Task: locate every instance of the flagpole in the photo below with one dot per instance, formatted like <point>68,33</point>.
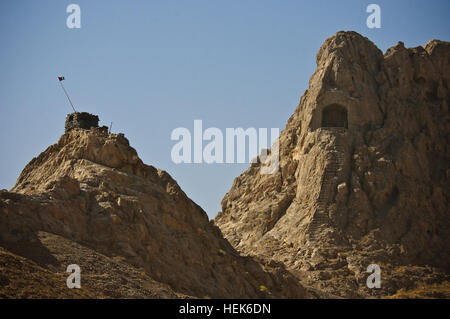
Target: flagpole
<point>60,82</point>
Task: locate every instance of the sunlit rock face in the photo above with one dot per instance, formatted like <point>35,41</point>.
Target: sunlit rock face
<point>363,177</point>
<point>130,225</point>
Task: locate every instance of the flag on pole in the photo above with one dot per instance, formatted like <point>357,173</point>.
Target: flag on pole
<point>60,78</point>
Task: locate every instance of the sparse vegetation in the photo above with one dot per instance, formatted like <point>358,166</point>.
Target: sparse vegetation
<point>440,291</point>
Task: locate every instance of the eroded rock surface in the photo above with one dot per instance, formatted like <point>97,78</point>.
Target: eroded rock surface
<point>92,189</point>
<point>364,171</point>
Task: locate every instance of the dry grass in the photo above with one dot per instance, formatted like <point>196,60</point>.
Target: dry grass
<point>433,291</point>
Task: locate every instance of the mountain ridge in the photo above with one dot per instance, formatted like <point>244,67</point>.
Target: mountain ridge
<point>363,179</point>
<point>358,181</point>
<point>92,188</point>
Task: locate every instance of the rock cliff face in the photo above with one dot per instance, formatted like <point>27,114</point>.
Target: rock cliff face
<point>364,171</point>
<point>89,200</point>
<point>363,179</point>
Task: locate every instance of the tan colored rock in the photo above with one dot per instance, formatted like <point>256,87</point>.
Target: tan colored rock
<point>36,268</point>
<point>92,189</point>
<point>364,167</point>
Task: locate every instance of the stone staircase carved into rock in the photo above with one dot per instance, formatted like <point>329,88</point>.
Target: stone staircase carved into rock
<point>328,186</point>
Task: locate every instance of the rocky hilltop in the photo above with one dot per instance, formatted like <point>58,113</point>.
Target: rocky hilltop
<point>363,175</point>
<point>90,200</point>
<point>363,179</point>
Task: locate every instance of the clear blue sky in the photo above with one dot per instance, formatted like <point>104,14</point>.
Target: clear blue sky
<point>152,66</point>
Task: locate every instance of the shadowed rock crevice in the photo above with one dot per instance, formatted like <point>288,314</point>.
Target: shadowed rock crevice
<point>334,116</point>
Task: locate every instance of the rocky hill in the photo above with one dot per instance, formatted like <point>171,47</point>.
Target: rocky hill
<point>363,179</point>
<point>89,200</point>
<point>364,174</point>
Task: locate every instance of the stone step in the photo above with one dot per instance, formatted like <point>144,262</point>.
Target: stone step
<point>319,222</point>
<point>317,225</point>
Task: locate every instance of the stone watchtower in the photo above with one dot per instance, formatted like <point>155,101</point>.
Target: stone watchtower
<point>81,120</point>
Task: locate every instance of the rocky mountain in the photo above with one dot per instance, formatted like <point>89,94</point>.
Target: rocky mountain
<point>89,200</point>
<point>363,175</point>
<point>362,179</point>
